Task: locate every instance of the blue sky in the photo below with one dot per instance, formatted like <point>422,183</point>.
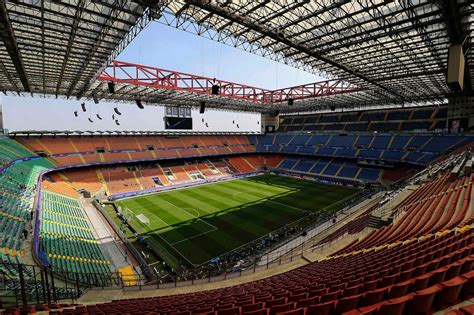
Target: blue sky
<point>163,47</point>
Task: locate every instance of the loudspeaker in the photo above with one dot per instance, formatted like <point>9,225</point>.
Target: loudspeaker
<point>98,116</point>
<point>202,109</point>
<point>139,104</point>
<point>215,89</point>
<point>290,102</point>
<point>94,97</point>
<point>90,120</point>
<point>117,111</point>
<point>117,122</point>
<point>456,64</point>
<point>83,105</point>
<point>111,87</point>
<point>75,113</point>
<point>333,108</point>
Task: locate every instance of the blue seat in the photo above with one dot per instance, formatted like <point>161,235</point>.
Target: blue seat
<point>381,141</point>
<point>304,166</point>
<point>369,174</point>
<point>288,164</point>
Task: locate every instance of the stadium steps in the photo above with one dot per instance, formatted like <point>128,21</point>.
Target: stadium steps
<point>102,181</point>
<point>137,180</point>
<point>377,222</point>
<point>73,145</point>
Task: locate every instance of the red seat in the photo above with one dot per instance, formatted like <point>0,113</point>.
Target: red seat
<point>453,271</point>
<point>299,311</point>
<point>229,311</point>
<point>403,276</point>
<point>307,302</point>
<point>347,303</point>
<point>394,306</point>
<point>351,290</point>
<point>223,306</point>
<point>373,297</point>
<point>262,311</point>
<point>246,301</point>
<point>450,291</point>
<point>468,289</point>
<point>297,297</point>
<point>321,309</point>
<point>422,300</point>
<point>437,276</point>
<point>369,286</point>
<point>420,283</point>
<point>275,302</point>
<point>469,309</point>
<point>280,308</point>
<point>330,296</point>
<point>399,289</point>
<point>387,281</point>
<point>252,307</point>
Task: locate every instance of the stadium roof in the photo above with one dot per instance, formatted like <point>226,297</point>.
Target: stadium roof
<point>390,51</point>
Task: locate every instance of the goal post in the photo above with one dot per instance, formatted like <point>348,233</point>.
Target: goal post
<point>143,219</point>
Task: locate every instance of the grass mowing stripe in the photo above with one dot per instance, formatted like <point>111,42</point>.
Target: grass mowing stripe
<point>265,204</point>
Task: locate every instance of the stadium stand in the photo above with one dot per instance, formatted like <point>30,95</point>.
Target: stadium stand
<point>67,243</point>
<point>413,149</point>
<point>359,184</point>
<point>17,191</point>
<point>434,272</point>
<point>330,167</point>
<point>131,143</point>
<point>425,119</point>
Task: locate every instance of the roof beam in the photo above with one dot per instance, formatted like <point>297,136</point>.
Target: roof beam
<point>8,38</point>
<point>456,32</point>
<point>276,36</point>
<point>72,35</point>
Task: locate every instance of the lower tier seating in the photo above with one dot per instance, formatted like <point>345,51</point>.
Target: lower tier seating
<point>438,205</point>
<point>122,179</point>
<point>67,240</point>
<point>17,188</point>
<point>418,276</point>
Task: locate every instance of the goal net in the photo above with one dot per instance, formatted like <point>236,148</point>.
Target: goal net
<point>143,219</point>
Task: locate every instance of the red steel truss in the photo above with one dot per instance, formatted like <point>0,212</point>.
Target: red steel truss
<point>146,76</point>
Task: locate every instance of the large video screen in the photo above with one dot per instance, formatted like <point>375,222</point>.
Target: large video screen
<point>178,123</point>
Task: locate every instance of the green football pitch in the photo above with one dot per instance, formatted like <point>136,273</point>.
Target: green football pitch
<point>194,225</point>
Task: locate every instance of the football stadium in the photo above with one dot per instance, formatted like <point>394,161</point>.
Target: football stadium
<point>299,158</point>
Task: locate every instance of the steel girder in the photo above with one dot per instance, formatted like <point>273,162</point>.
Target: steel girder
<point>59,47</point>
<point>159,79</point>
<point>395,50</point>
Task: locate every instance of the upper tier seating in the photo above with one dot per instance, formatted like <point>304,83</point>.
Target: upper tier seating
<point>429,118</point>
<point>415,149</point>
<point>11,150</point>
<point>330,168</point>
<point>67,241</point>
<point>58,145</point>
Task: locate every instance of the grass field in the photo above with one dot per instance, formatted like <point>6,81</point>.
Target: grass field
<point>194,225</point>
